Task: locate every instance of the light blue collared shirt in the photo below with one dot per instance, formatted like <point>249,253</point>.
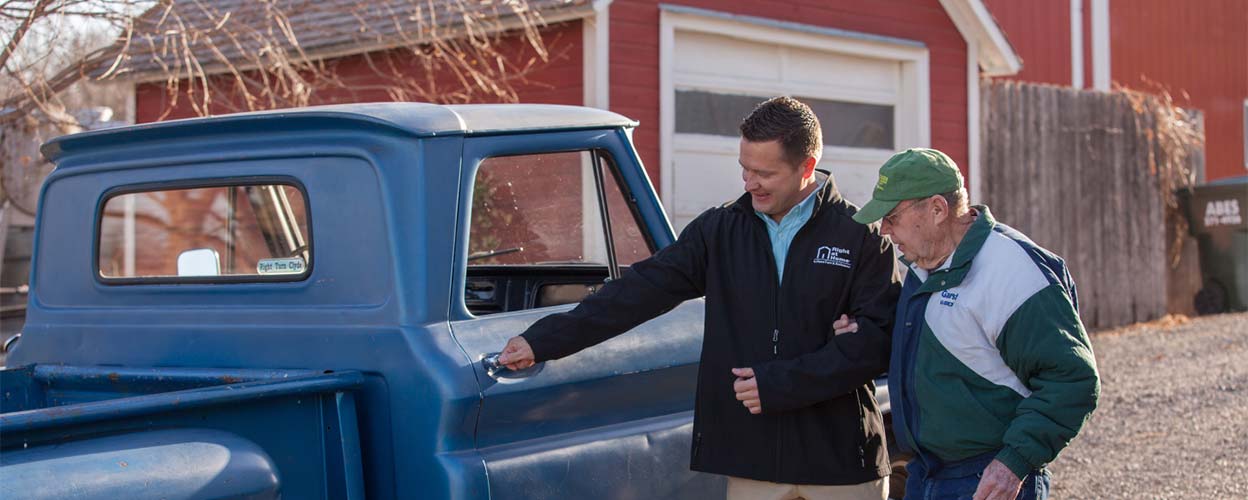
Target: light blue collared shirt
<point>782,233</point>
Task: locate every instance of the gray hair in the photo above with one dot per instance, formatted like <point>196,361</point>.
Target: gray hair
<point>957,201</point>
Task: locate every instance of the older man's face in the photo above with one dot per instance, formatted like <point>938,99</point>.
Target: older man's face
<point>912,226</point>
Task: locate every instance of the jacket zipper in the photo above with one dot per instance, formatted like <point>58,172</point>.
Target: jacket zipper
<point>862,430</point>
<point>775,354</point>
<point>775,333</point>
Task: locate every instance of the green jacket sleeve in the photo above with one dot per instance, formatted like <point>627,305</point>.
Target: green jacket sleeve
<point>1044,343</point>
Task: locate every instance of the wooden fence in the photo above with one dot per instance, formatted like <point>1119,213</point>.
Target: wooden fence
<point>1085,174</point>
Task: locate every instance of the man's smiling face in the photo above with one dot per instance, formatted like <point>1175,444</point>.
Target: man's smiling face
<point>774,183</point>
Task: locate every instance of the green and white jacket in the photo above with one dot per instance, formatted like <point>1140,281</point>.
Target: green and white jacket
<point>989,354</point>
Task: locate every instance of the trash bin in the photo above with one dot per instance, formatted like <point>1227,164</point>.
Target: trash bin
<point>1218,217</point>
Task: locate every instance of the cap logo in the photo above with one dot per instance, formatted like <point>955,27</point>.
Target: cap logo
<point>879,186</point>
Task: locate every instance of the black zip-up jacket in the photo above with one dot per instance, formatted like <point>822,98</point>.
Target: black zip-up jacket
<point>819,423</point>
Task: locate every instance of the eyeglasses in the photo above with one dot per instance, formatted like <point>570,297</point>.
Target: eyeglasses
<point>892,216</point>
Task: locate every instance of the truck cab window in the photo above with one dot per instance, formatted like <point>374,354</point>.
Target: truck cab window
<point>538,230</point>
<point>225,233</point>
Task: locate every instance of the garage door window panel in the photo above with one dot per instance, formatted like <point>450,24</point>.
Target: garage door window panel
<point>845,124</point>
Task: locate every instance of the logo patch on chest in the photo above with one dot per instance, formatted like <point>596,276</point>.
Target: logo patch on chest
<point>834,256</point>
<point>947,298</point>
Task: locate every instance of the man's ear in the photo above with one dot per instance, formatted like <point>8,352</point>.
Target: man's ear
<point>808,167</point>
<point>940,206</point>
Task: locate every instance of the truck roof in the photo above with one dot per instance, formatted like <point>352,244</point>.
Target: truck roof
<point>415,119</point>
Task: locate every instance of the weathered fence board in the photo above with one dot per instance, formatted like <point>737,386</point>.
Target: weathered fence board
<point>1080,172</point>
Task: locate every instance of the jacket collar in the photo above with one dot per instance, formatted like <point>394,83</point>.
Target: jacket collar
<point>960,263</point>
<point>826,193</point>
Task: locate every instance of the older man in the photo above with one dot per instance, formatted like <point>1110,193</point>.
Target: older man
<point>991,373</point>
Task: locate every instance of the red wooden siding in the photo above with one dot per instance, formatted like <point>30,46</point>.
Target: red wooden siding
<point>1039,31</point>
<point>1198,49</point>
<point>1086,11</point>
<point>558,82</point>
<point>635,57</point>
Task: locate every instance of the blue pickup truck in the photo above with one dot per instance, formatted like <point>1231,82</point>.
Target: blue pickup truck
<point>306,304</point>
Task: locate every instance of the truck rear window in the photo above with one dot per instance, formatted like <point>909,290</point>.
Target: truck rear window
<point>246,232</point>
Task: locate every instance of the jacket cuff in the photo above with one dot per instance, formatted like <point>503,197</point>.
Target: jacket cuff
<point>1015,462</point>
<point>763,400</point>
<point>771,389</point>
<point>539,355</point>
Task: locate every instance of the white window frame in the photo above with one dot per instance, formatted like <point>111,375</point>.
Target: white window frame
<point>912,110</point>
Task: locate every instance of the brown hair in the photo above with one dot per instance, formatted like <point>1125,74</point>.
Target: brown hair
<point>791,122</point>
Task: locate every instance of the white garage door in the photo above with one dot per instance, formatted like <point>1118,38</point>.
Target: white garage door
<point>865,106</point>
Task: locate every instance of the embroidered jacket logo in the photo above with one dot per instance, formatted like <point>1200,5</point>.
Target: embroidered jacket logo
<point>835,256</point>
<point>947,298</point>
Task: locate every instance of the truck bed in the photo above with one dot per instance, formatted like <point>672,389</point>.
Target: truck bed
<point>178,433</point>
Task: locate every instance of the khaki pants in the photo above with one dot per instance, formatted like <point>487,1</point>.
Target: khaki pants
<point>749,489</point>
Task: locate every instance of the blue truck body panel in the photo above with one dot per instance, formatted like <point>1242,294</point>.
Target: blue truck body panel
<point>186,463</point>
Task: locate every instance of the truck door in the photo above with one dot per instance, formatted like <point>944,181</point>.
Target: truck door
<point>545,220</point>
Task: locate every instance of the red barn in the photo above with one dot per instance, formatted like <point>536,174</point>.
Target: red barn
<point>882,76</point>
<point>1196,50</point>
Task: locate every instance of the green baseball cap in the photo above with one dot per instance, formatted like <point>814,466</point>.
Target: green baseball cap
<point>911,174</point>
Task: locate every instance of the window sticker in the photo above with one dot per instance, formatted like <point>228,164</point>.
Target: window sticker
<point>289,265</point>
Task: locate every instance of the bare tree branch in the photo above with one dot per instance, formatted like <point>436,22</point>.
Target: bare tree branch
<point>33,15</point>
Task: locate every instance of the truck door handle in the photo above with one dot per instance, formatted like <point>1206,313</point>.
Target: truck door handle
<point>8,343</point>
<point>500,372</point>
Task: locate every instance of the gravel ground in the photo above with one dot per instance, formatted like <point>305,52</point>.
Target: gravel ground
<point>1173,415</point>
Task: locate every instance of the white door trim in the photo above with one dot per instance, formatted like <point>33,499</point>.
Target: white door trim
<point>596,56</point>
<point>1076,44</point>
<point>1101,78</point>
<point>973,125</point>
